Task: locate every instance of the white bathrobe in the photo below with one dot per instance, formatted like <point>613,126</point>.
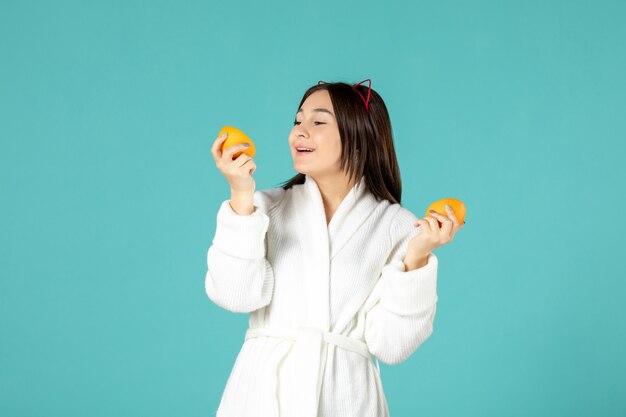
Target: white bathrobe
<point>324,301</point>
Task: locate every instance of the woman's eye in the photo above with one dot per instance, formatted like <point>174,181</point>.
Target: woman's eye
<point>297,123</point>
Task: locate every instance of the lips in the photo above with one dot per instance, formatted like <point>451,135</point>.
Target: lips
<point>304,148</point>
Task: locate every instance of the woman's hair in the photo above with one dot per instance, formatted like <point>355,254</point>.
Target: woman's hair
<point>366,140</point>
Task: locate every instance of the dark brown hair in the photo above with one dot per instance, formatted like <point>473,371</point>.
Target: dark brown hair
<point>366,140</point>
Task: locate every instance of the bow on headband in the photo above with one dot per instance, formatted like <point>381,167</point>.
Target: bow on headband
<point>369,90</point>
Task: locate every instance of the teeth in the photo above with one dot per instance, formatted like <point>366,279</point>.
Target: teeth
<point>305,149</point>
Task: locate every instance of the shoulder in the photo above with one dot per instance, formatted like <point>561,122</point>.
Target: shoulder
<point>399,216</point>
<point>401,223</point>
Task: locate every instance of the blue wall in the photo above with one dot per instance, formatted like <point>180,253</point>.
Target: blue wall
<point>109,193</point>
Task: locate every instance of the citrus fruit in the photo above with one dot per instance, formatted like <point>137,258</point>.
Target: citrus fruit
<point>235,137</point>
<point>440,207</point>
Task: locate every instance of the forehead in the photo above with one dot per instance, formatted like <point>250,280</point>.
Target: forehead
<point>318,102</point>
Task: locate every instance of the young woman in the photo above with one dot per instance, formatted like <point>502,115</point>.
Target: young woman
<point>331,268</point>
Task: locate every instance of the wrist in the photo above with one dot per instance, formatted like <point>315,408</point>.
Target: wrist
<point>241,202</point>
<point>415,262</point>
<point>241,192</point>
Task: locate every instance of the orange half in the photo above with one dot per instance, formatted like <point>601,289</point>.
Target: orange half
<point>440,207</point>
<point>235,137</point>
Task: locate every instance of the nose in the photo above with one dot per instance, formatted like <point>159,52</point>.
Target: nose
<point>299,131</point>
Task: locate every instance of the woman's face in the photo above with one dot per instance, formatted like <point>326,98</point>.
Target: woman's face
<point>316,128</point>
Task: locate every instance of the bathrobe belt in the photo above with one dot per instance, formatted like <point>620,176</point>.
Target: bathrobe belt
<point>303,389</point>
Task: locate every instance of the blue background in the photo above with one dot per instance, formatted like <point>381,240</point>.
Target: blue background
<point>109,193</point>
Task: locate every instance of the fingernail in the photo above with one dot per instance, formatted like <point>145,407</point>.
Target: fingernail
<point>448,207</point>
<point>432,211</point>
<point>246,144</point>
<point>223,134</point>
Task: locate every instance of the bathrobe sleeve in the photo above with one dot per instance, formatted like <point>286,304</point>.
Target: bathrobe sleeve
<point>405,302</point>
<point>239,277</point>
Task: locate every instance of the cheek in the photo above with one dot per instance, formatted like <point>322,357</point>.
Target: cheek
<point>337,150</point>
<point>331,155</point>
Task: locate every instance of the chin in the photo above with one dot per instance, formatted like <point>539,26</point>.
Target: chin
<point>311,169</point>
<point>301,171</point>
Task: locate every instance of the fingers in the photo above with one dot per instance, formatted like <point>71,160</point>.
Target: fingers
<point>216,149</point>
<point>433,222</point>
<point>243,165</point>
<point>455,220</point>
<point>446,224</point>
<point>231,150</point>
<point>452,216</point>
<point>250,165</point>
<point>425,225</point>
<point>217,146</point>
<point>241,160</point>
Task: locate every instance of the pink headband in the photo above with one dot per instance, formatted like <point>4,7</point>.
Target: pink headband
<point>369,90</point>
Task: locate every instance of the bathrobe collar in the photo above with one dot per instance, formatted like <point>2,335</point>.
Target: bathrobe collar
<point>321,242</point>
<point>354,209</point>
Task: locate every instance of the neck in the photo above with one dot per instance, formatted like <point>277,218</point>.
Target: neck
<point>333,191</point>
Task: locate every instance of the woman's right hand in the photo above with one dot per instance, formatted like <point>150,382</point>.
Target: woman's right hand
<point>238,172</point>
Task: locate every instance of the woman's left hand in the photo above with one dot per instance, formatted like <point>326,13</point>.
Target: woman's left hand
<point>431,236</point>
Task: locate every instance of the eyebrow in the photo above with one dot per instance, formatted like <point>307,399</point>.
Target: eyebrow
<point>322,110</point>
